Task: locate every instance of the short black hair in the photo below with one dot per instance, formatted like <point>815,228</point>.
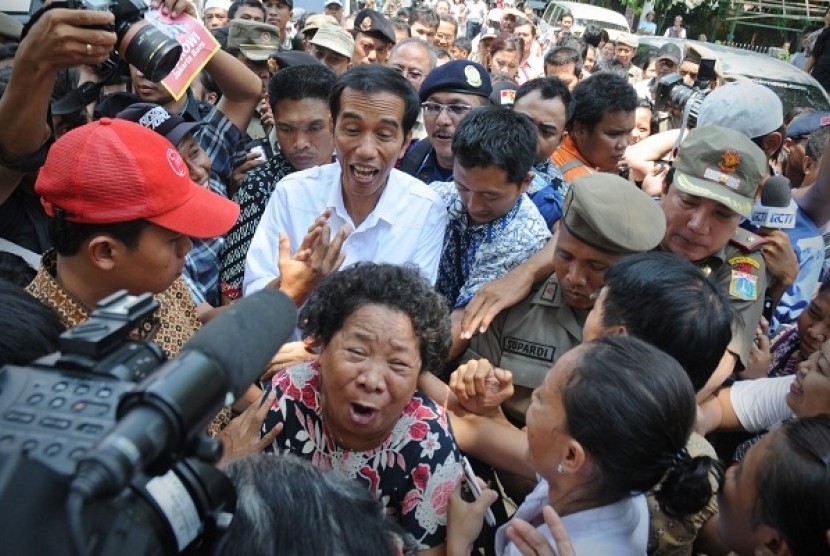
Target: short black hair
<point>301,82</point>
<point>371,79</point>
<point>425,15</point>
<point>31,329</point>
<point>252,3</point>
<point>816,143</point>
<point>447,18</point>
<point>15,269</point>
<point>465,44</point>
<point>559,56</point>
<point>600,94</point>
<point>667,301</point>
<point>401,288</point>
<point>490,136</point>
<point>549,88</point>
<point>594,34</point>
<point>68,237</point>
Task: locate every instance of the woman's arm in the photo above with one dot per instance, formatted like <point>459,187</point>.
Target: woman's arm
<point>491,440</point>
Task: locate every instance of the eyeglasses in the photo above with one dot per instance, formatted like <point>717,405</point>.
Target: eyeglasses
<point>443,36</point>
<point>433,109</point>
<point>684,73</point>
<point>410,73</point>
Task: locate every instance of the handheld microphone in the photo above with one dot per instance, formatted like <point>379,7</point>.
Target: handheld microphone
<point>776,208</point>
<point>174,404</point>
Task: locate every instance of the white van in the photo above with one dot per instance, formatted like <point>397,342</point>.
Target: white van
<point>584,14</point>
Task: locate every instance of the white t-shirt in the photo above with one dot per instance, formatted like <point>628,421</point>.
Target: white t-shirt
<point>761,403</point>
<point>406,226</point>
<point>620,528</point>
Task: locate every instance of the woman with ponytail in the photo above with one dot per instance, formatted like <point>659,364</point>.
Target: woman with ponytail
<point>610,421</point>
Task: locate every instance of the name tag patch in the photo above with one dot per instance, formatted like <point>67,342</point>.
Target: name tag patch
<point>529,349</point>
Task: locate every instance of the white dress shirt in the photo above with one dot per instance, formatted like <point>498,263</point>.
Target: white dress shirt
<point>406,226</point>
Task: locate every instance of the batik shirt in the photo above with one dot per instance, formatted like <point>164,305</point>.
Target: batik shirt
<point>170,326</point>
<point>476,254</point>
<point>252,198</point>
<point>412,472</point>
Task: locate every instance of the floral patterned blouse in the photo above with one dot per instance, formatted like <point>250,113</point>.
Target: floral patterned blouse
<point>412,473</point>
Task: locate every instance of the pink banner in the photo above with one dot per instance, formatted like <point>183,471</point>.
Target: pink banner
<point>198,47</point>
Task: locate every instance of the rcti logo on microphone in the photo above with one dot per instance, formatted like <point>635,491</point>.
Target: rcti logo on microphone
<point>774,217</point>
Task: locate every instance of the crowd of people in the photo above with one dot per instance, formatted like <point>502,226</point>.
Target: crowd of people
<point>502,246</point>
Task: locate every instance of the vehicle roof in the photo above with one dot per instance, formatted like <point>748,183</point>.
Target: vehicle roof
<point>589,11</point>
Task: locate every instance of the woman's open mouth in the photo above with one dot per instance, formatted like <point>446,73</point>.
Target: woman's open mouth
<point>363,414</point>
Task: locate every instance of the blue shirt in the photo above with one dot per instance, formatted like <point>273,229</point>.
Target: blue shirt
<point>808,245</point>
<point>474,254</point>
<point>547,191</point>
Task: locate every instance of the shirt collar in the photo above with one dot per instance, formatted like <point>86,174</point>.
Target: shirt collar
<point>393,192</point>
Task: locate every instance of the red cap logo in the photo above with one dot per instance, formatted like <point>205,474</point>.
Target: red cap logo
<point>176,163</point>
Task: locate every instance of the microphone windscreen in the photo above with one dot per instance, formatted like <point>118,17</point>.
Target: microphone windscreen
<point>776,192</point>
<point>244,338</point>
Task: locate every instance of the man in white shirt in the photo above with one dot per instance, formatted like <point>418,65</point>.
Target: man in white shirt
<point>394,218</point>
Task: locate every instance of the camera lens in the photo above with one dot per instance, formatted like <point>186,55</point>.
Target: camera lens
<point>150,50</point>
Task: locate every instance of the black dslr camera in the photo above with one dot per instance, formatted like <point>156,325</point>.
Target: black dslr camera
<point>138,42</point>
<point>681,101</point>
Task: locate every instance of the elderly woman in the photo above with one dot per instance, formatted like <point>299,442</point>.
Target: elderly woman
<point>597,437</point>
<point>356,409</point>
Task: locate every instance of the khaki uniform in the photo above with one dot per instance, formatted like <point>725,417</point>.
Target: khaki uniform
<point>528,339</point>
<point>739,269</point>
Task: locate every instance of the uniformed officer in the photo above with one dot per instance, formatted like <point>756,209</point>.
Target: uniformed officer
<point>605,217</point>
<point>711,186</point>
<point>449,93</point>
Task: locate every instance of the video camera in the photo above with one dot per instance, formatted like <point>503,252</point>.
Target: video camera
<point>118,433</point>
<point>681,101</point>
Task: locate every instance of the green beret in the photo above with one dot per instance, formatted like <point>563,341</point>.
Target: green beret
<point>613,215</point>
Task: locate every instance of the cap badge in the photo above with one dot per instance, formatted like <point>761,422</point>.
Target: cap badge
<point>366,24</point>
<point>729,161</point>
<point>473,76</point>
<point>722,178</point>
<point>176,163</point>
<point>265,37</point>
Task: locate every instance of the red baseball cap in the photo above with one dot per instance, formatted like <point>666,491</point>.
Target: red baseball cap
<point>114,171</point>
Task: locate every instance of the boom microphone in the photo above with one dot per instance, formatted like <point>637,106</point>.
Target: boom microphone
<point>776,208</point>
<point>174,404</point>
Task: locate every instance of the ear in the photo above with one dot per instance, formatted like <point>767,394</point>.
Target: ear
<point>577,130</point>
<point>774,544</point>
<point>807,164</point>
<point>406,141</point>
<point>616,330</point>
<point>772,142</point>
<point>574,456</point>
<point>526,182</point>
<point>788,144</point>
<point>102,251</point>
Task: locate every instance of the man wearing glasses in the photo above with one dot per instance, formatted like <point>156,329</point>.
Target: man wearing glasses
<point>448,94</point>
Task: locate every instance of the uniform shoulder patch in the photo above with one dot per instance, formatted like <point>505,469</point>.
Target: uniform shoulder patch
<point>747,240</point>
<point>743,285</point>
